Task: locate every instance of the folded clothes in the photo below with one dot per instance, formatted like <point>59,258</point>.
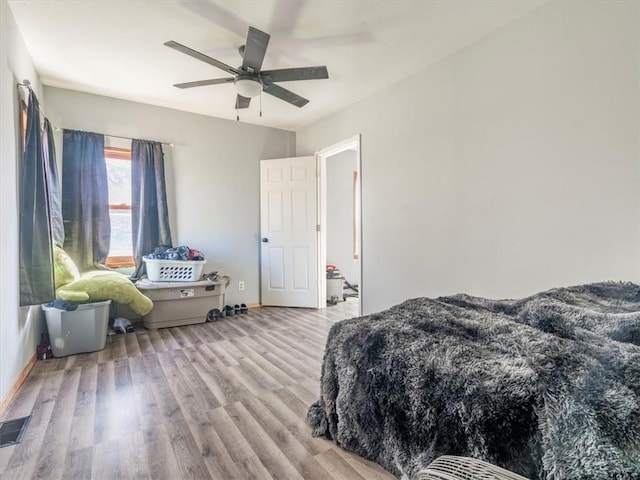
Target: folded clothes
<point>175,253</point>
<point>62,305</point>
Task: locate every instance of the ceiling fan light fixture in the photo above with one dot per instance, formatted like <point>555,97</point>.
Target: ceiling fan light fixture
<point>248,87</point>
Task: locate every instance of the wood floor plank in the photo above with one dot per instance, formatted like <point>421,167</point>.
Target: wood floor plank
<point>85,359</point>
<point>131,345</point>
<point>366,468</point>
<point>255,470</point>
<point>168,339</point>
<point>131,449</point>
<point>188,360</point>
<point>144,342</point>
<point>161,458</point>
<point>192,335</point>
<point>5,456</point>
<point>263,364</point>
<point>226,329</point>
<point>119,346</point>
<point>337,467</point>
<point>280,351</point>
<point>227,352</point>
<point>205,332</point>
<point>236,444</point>
<point>227,358</point>
<point>149,413</point>
<point>214,453</point>
<point>105,410</point>
<point>25,398</point>
<point>260,376</point>
<point>181,338</point>
<point>25,455</point>
<point>51,458</point>
<point>202,360</point>
<point>164,398</point>
<point>280,437</point>
<point>156,341</point>
<point>306,396</point>
<point>189,459</point>
<point>296,342</point>
<point>271,457</point>
<point>78,464</point>
<point>301,352</point>
<point>294,422</point>
<point>105,463</point>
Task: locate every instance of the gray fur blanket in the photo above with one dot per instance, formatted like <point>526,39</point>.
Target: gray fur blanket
<point>547,386</point>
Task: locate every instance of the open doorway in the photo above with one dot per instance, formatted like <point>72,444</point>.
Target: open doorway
<point>340,221</point>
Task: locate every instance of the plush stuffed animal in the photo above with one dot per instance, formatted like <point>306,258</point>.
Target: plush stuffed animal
<point>96,285</point>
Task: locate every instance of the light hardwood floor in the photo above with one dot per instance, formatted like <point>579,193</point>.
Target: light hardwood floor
<point>222,400</point>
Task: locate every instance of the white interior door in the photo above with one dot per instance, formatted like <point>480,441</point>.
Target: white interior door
<point>288,229</point>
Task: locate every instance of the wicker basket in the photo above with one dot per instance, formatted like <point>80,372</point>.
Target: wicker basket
<point>174,270</point>
<point>448,467</point>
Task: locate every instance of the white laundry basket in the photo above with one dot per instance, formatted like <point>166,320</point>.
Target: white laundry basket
<point>174,270</point>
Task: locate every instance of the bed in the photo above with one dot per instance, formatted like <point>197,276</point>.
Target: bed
<point>547,386</point>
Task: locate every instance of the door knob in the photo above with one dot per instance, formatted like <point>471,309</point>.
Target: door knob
<point>265,239</point>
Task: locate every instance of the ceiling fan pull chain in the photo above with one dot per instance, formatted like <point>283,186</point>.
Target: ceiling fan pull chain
<point>260,102</point>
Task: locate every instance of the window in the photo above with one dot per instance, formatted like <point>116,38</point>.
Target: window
<point>119,172</point>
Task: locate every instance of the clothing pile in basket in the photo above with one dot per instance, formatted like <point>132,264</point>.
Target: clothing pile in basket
<point>182,252</point>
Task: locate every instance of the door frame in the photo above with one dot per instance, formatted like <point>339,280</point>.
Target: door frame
<point>352,143</point>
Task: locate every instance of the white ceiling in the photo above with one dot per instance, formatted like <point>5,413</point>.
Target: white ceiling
<point>115,47</point>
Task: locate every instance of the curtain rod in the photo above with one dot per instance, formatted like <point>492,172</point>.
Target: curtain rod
<point>58,129</point>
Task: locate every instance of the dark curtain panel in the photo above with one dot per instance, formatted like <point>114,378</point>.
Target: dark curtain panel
<point>55,200</point>
<point>85,198</point>
<point>36,257</point>
<point>149,213</point>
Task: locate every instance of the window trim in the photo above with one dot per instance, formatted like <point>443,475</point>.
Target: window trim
<point>116,153</point>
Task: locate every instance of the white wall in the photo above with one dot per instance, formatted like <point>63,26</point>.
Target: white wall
<point>508,168</point>
<point>340,168</point>
<point>213,175</point>
<point>19,327</point>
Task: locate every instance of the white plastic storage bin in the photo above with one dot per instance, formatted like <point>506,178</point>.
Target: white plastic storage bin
<point>335,292</point>
<point>77,331</point>
<point>173,270</point>
<point>182,303</point>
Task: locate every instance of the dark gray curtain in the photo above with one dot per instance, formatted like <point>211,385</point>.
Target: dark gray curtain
<point>85,198</point>
<point>35,255</point>
<point>149,213</point>
<point>55,200</point>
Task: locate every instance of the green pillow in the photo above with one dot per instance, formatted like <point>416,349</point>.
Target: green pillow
<point>99,285</point>
<point>64,269</point>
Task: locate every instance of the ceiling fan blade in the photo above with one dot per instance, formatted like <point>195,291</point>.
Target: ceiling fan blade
<point>286,95</point>
<point>202,83</point>
<point>242,102</point>
<point>302,73</point>
<point>255,49</point>
<point>202,57</point>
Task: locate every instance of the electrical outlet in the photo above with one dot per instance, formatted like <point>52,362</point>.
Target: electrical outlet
<point>241,285</point>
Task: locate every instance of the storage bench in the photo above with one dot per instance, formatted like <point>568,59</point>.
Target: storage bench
<point>182,303</point>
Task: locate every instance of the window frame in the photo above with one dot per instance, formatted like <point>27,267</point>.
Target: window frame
<point>116,153</point>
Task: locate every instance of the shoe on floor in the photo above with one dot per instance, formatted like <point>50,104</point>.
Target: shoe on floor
<point>236,308</point>
<point>213,315</point>
<point>244,308</point>
<point>229,310</point>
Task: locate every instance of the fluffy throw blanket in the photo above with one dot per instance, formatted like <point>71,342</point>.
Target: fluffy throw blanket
<point>547,386</point>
